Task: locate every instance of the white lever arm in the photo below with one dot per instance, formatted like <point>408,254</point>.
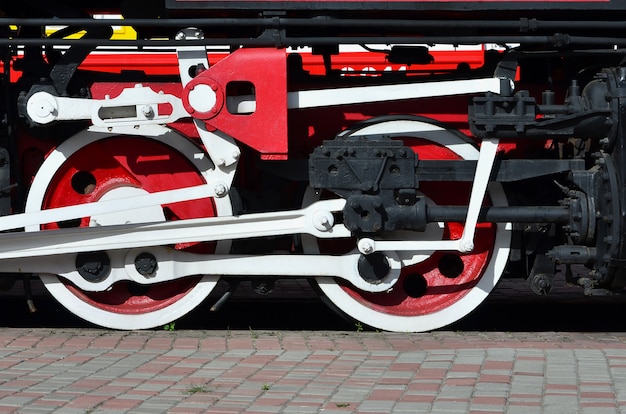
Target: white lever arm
<point>134,106</point>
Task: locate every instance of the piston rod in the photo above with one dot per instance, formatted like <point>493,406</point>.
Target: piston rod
<point>492,214</point>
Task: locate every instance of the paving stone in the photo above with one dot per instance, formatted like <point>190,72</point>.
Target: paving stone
<point>445,372</point>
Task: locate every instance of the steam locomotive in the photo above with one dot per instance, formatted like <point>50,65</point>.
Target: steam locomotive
<point>403,156</point>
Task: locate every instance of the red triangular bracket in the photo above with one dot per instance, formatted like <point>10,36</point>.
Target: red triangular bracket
<point>265,71</point>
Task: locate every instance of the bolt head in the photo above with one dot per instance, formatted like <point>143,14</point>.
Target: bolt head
<point>220,190</point>
<point>366,246</point>
<point>147,111</point>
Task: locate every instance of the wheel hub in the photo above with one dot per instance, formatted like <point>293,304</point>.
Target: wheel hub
<point>373,268</point>
<point>93,267</point>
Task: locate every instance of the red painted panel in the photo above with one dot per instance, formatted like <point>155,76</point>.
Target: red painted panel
<point>265,129</point>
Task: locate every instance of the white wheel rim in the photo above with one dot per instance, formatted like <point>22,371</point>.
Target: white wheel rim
<point>86,310</point>
<point>477,294</point>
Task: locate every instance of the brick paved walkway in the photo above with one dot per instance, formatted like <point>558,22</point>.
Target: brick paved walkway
<point>99,371</point>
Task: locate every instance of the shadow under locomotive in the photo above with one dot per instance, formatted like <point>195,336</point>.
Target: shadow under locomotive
<point>291,306</point>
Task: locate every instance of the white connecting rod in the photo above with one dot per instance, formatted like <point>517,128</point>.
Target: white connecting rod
<point>315,220</point>
<point>140,105</point>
